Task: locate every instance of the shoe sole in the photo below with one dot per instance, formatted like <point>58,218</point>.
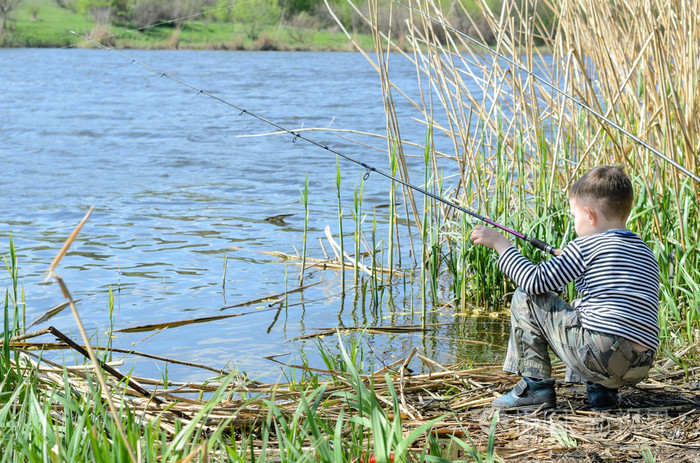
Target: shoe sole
<point>606,409</point>
<point>527,408</point>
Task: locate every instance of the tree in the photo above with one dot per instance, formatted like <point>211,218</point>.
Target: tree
<point>103,10</point>
<point>293,7</point>
<point>255,14</point>
<point>148,12</point>
<point>6,6</point>
<point>144,13</point>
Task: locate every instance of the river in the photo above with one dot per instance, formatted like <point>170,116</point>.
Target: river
<point>182,185</point>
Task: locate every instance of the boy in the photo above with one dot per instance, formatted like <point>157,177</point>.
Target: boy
<point>610,338</point>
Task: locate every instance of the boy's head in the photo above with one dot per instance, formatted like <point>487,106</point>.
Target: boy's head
<point>606,189</point>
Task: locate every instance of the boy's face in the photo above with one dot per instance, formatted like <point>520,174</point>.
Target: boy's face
<point>583,217</point>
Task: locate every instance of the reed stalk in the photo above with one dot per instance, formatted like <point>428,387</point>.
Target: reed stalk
<point>110,331</point>
<point>223,277</point>
<point>340,226</point>
<point>305,204</point>
<point>392,226</point>
<point>374,278</point>
<point>13,269</point>
<point>425,256</point>
<point>357,216</point>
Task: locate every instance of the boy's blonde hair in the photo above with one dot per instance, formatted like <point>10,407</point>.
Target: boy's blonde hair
<point>609,188</point>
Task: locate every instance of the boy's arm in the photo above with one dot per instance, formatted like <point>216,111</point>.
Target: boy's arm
<point>491,238</point>
<point>534,279</point>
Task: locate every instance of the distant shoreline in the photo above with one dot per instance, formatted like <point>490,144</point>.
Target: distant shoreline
<point>43,24</point>
<point>264,44</point>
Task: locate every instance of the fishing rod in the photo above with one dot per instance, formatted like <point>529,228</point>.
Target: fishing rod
<point>539,244</point>
<point>556,89</point>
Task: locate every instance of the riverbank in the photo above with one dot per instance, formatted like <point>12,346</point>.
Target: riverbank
<point>338,414</point>
<point>43,24</point>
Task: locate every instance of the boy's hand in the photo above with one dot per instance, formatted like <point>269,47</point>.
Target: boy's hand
<point>490,238</point>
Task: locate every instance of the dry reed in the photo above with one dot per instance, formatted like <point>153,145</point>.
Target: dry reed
<point>667,402</point>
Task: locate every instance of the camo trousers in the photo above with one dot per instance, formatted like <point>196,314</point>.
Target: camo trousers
<point>543,321</point>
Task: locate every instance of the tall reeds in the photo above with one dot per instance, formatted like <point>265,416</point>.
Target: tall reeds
<point>516,145</point>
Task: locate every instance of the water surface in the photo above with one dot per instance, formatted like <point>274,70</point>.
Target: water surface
<point>181,190</point>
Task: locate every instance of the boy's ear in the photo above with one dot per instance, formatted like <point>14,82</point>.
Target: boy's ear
<point>591,215</point>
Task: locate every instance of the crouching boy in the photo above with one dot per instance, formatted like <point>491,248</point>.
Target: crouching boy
<point>609,339</point>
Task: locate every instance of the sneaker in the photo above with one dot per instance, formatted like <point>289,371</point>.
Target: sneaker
<point>529,394</point>
<point>601,397</point>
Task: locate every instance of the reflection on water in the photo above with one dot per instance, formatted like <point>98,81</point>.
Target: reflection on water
<point>181,199</point>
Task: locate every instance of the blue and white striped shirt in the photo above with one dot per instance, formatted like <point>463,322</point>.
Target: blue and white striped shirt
<point>616,275</point>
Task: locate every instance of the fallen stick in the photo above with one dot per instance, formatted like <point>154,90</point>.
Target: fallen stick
<point>50,345</point>
<point>131,383</point>
<point>189,321</point>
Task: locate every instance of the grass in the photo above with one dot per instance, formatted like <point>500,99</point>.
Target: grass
<point>42,23</point>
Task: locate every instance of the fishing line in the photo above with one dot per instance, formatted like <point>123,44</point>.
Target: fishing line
<point>298,135</point>
<point>556,89</point>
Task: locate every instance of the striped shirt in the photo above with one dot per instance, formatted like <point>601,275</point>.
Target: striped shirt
<point>616,275</point>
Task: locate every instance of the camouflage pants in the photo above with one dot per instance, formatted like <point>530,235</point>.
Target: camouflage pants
<point>543,321</point>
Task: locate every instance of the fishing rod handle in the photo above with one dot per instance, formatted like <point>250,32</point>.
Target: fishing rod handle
<point>539,244</point>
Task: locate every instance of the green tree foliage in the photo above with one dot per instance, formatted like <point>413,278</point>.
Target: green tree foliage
<point>294,7</point>
<point>254,14</point>
<point>222,11</point>
<point>84,6</point>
